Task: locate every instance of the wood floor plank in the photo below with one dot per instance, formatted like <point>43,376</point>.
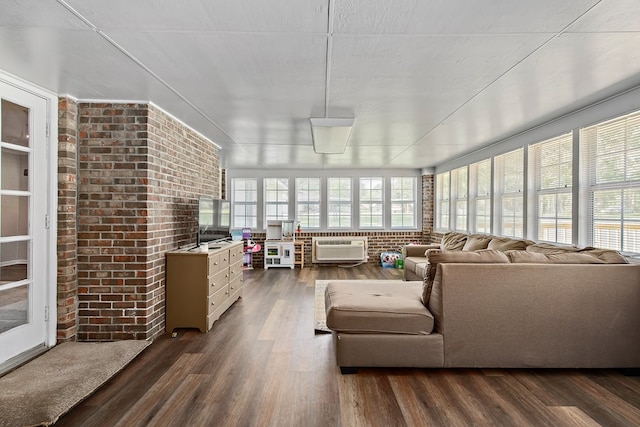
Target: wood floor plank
<point>152,401</point>
<point>367,399</point>
<point>416,410</point>
<point>262,365</point>
<point>572,416</point>
<point>272,325</point>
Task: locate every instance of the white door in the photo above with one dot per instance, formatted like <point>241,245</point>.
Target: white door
<point>23,236</point>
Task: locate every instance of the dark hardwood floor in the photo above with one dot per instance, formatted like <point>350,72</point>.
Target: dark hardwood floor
<point>262,365</point>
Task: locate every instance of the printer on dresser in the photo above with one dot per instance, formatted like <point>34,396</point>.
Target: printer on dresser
<point>202,284</point>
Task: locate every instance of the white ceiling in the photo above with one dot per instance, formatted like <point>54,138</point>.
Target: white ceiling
<point>426,80</point>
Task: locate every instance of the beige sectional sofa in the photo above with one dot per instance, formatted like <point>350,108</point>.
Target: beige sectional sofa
<point>415,257</point>
<point>549,307</point>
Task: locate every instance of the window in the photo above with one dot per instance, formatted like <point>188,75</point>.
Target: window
<point>442,200</point>
<point>308,202</point>
<point>612,162</point>
<point>551,166</point>
<point>339,202</point>
<point>276,199</point>
<point>371,203</point>
<point>245,202</point>
<point>480,196</point>
<point>459,184</point>
<point>510,193</point>
<point>403,202</point>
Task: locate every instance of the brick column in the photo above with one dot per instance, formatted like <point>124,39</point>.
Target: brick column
<point>140,174</point>
<point>428,206</point>
<point>67,278</point>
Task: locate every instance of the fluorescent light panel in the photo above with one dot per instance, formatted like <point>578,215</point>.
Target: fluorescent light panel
<point>330,136</point>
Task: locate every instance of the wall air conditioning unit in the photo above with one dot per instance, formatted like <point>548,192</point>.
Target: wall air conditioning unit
<point>338,249</point>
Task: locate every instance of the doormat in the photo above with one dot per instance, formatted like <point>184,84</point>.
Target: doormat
<point>40,391</point>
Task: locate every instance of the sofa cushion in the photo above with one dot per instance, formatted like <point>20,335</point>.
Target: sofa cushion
<point>412,262</point>
<point>552,258</point>
<point>377,307</point>
<point>475,242</point>
<point>508,243</point>
<point>453,241</point>
<point>436,256</point>
<point>608,256</point>
<point>551,248</point>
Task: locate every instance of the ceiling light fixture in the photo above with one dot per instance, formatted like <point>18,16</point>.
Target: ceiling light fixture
<point>330,135</point>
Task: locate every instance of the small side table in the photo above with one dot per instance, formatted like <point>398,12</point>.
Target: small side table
<point>299,253</point>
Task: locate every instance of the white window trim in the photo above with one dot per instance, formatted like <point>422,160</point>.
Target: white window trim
<point>403,202</point>
<point>371,203</point>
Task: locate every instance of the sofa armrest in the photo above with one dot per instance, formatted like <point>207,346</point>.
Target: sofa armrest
<point>417,250</point>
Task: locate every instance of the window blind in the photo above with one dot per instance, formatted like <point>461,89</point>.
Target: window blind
<point>551,163</point>
<point>510,192</point>
<point>443,194</point>
<point>460,176</point>
<point>612,175</point>
<point>480,196</point>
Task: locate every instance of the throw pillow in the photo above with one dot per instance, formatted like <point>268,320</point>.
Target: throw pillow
<point>453,241</point>
<point>507,243</point>
<point>475,242</point>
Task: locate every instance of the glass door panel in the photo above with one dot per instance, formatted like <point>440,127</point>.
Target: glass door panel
<point>23,194</point>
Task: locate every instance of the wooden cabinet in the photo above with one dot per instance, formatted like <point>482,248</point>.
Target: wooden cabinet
<point>200,286</point>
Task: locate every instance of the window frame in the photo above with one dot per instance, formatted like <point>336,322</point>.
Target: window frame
<point>245,203</point>
<point>478,194</point>
<point>460,198</point>
<point>402,203</point>
<point>510,166</point>
<point>281,188</point>
<point>371,202</point>
<point>340,203</point>
<point>308,202</point>
<point>627,162</point>
<point>443,201</point>
<point>553,154</point>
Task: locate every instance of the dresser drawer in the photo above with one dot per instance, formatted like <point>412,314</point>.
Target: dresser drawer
<point>215,264</point>
<point>236,285</point>
<point>235,255</point>
<point>218,281</point>
<point>217,300</point>
<point>235,271</point>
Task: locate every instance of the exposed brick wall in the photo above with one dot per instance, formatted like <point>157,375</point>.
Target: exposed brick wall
<point>67,278</point>
<point>183,165</point>
<point>140,175</point>
<point>378,242</point>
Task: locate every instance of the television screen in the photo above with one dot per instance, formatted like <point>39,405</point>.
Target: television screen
<point>214,219</point>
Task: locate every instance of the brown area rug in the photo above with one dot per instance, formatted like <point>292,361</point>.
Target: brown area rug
<point>42,390</point>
